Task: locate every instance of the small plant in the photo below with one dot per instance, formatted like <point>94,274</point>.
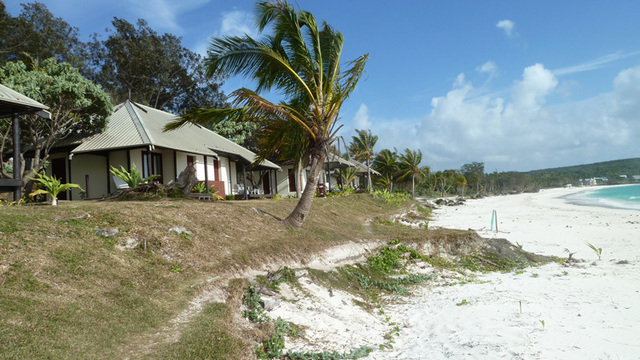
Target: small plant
<point>230,197</point>
<point>463,302</point>
<point>185,235</point>
<point>519,245</point>
<point>598,251</point>
<point>133,178</point>
<point>277,197</point>
<point>542,322</point>
<point>176,269</point>
<point>200,188</point>
<point>51,186</point>
<point>534,275</point>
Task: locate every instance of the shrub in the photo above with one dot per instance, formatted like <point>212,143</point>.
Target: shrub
<point>133,178</point>
<point>51,186</point>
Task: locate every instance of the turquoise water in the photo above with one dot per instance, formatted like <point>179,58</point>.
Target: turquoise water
<point>619,197</point>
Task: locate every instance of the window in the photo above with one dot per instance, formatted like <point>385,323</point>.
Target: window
<point>156,165</point>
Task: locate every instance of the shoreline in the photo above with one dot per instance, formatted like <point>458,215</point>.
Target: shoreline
<point>586,310</point>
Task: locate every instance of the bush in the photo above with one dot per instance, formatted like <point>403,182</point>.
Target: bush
<point>230,197</point>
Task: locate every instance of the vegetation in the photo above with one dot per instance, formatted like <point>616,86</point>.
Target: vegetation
<point>300,60</point>
<point>133,178</point>
<point>76,105</point>
<point>166,76</point>
<point>362,149</point>
<point>50,185</point>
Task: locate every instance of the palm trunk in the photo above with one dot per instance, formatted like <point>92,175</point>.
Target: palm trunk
<point>413,186</point>
<point>299,214</point>
<point>299,169</point>
<point>369,177</point>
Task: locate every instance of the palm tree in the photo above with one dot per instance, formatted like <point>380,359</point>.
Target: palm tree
<point>299,60</point>
<point>386,163</point>
<point>410,166</point>
<point>362,149</point>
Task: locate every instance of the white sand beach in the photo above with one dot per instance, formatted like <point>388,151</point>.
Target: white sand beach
<point>589,310</point>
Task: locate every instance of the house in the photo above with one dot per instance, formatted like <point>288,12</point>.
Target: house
<point>13,104</point>
<point>134,137</point>
<point>330,176</point>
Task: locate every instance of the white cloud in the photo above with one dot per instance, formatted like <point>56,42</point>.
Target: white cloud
<point>521,132</point>
<point>508,26</point>
<point>489,67</point>
<point>361,118</point>
<point>530,92</point>
<point>237,23</point>
<point>232,23</point>
<point>594,64</point>
<point>163,14</point>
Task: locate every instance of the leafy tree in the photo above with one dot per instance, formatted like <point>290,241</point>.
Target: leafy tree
<point>386,163</point>
<point>362,149</point>
<point>474,173</point>
<point>301,61</point>
<point>37,34</point>
<point>410,166</point>
<point>136,63</point>
<point>76,105</point>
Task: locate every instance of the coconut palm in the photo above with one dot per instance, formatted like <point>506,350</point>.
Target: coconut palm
<point>362,149</point>
<point>410,166</point>
<point>349,176</point>
<point>386,163</point>
<point>299,60</point>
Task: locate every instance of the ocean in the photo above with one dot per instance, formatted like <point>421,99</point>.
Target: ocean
<point>618,197</point>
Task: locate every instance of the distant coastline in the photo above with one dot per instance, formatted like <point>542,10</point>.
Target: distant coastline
<point>614,197</point>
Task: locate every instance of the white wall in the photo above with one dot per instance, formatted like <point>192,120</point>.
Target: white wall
<point>95,168</point>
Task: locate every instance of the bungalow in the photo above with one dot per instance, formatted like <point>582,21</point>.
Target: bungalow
<point>331,176</point>
<point>135,136</point>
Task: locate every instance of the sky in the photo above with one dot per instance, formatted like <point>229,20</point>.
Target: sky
<point>518,85</point>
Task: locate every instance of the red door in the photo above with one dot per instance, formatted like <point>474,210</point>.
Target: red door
<point>265,183</point>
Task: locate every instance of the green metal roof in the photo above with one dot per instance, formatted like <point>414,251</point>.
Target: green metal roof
<point>13,102</point>
<point>136,125</point>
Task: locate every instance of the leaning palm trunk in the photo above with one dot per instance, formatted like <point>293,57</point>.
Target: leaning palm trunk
<point>297,216</point>
<point>369,177</point>
<point>413,186</point>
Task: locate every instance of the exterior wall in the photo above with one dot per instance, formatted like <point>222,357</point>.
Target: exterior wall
<point>282,181</point>
<point>232,172</point>
<point>90,172</point>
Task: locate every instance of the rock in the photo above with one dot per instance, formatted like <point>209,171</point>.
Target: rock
<point>186,180</point>
<point>107,232</point>
<point>301,273</point>
<point>128,244</point>
<point>180,230</point>
<point>270,303</point>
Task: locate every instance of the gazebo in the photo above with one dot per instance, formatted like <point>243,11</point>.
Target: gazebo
<point>13,104</point>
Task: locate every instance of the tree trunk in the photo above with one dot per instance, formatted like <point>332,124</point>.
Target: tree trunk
<point>369,177</point>
<point>299,169</point>
<point>297,216</point>
<point>413,186</point>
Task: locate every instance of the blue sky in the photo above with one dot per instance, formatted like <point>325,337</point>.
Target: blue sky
<point>518,85</point>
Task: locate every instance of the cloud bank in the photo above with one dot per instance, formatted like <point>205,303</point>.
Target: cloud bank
<point>519,131</point>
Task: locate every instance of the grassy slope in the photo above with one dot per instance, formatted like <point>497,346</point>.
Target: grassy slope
<point>66,292</point>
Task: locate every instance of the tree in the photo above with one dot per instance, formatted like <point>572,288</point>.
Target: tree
<point>37,34</point>
<point>138,64</point>
<point>386,163</point>
<point>76,105</point>
<point>299,60</point>
<point>410,166</point>
<point>474,173</point>
<point>362,149</point>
